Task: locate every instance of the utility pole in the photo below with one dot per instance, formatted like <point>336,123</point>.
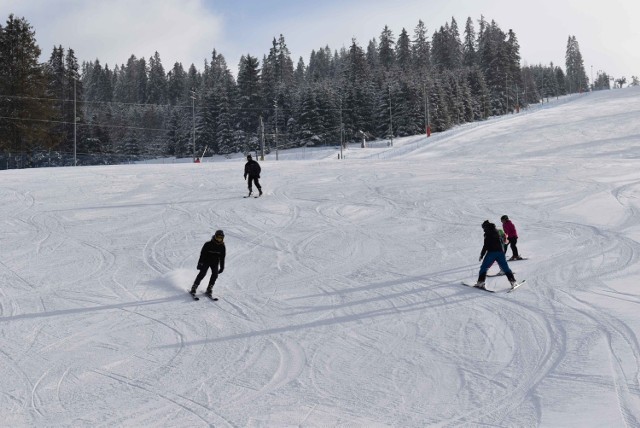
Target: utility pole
<point>341,132</point>
<point>390,118</point>
<point>276,107</point>
<point>75,124</point>
<point>506,90</point>
<point>261,139</point>
<point>193,116</point>
<point>426,108</point>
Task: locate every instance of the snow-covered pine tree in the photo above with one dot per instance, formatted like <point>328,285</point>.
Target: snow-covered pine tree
<point>560,78</point>
<point>386,50</point>
<point>421,51</point>
<point>356,93</point>
<point>22,77</point>
<point>469,49</point>
<point>157,82</point>
<point>73,88</point>
<point>56,91</point>
<point>176,85</point>
<point>403,51</point>
<point>513,78</point>
<point>494,62</point>
<point>249,102</point>
<point>576,76</point>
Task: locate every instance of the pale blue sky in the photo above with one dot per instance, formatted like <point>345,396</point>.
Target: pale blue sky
<point>188,30</point>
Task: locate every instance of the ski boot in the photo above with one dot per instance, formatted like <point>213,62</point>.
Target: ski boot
<point>259,192</point>
<point>209,295</point>
<point>512,280</point>
<point>481,281</point>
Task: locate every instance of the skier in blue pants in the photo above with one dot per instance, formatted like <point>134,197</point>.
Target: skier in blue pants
<point>492,251</point>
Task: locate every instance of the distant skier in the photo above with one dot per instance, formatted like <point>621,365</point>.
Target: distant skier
<point>252,169</point>
<point>512,235</point>
<point>211,256</point>
<point>492,251</point>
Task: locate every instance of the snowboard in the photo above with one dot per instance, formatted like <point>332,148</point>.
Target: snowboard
<point>518,284</point>
<point>468,284</point>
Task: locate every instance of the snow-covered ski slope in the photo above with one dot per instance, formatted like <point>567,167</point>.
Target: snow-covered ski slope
<point>341,302</point>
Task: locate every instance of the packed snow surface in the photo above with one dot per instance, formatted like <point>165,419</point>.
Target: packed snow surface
<point>341,303</point>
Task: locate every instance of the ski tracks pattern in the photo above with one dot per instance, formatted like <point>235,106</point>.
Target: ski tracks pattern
<point>338,304</point>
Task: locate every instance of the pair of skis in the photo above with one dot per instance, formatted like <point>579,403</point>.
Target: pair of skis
<point>518,284</point>
<point>215,299</point>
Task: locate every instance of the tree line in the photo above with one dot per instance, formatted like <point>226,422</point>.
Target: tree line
<point>394,86</point>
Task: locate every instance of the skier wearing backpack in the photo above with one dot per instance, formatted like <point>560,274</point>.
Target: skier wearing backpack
<point>211,256</point>
<point>512,235</point>
<point>492,251</point>
<point>504,240</point>
<point>505,246</point>
<point>252,169</point>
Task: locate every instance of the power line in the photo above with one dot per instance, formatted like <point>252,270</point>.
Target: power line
<point>59,122</point>
<point>22,97</point>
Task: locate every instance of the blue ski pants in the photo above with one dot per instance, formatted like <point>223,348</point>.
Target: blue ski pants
<point>494,256</point>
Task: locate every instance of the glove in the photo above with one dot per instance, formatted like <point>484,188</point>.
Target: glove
<point>221,270</point>
<point>245,176</point>
<point>200,266</point>
<point>480,259</point>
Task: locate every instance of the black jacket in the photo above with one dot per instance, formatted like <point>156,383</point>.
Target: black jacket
<point>492,241</point>
<point>252,169</point>
<point>212,253</point>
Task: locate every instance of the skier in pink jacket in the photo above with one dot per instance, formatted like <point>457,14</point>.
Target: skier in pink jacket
<point>510,230</point>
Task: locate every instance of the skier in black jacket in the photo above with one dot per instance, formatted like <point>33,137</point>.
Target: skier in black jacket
<point>211,256</point>
<point>493,251</point>
<point>252,169</point>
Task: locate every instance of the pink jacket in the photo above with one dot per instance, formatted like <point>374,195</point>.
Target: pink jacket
<point>510,229</point>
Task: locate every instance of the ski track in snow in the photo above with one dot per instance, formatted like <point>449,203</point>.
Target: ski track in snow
<point>340,302</point>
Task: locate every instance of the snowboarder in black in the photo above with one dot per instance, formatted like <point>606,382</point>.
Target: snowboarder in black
<point>493,250</point>
<point>252,169</point>
<point>211,256</point>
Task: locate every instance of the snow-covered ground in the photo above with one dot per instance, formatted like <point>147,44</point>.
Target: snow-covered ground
<point>341,302</point>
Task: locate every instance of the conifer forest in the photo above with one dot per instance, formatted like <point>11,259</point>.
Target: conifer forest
<point>62,112</point>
